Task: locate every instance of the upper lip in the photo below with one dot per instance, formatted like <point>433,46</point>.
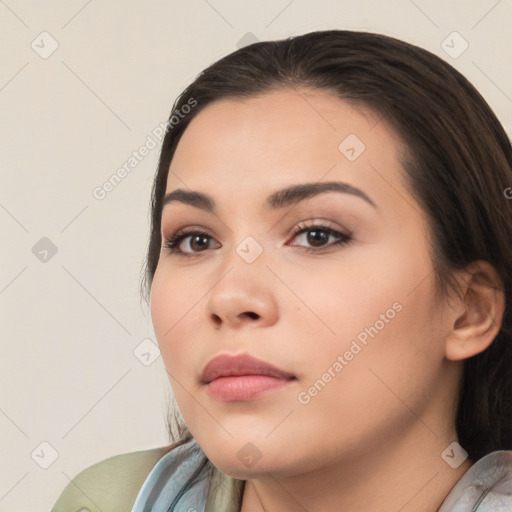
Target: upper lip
<point>226,365</point>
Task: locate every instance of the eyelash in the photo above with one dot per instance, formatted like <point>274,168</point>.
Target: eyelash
<point>173,242</point>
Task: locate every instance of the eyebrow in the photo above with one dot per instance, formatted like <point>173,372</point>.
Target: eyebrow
<point>277,200</point>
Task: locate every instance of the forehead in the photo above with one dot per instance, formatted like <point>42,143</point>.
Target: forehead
<point>281,137</point>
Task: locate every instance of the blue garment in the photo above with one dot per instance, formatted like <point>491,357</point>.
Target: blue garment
<point>180,482</point>
<point>485,487</point>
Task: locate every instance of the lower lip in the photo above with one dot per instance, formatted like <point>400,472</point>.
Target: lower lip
<point>243,387</point>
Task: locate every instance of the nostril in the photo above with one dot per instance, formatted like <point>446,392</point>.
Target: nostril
<point>251,314</point>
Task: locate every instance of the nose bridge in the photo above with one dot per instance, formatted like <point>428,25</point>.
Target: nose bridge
<point>244,289</point>
<point>247,240</point>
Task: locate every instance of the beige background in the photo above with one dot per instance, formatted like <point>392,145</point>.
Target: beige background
<point>70,322</point>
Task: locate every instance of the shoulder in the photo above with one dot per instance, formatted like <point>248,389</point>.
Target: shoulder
<point>109,485</point>
<point>485,487</point>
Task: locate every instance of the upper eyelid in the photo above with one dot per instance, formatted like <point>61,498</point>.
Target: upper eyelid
<point>296,215</point>
<point>305,224</point>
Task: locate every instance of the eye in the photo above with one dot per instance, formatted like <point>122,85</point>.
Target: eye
<point>318,235</point>
<point>188,242</point>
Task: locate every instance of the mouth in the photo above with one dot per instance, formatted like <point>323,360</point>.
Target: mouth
<point>242,378</point>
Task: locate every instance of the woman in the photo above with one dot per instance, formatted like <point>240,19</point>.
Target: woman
<point>329,270</point>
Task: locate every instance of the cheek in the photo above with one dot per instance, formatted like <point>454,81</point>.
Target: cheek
<point>172,314</point>
<point>340,298</point>
<point>378,308</point>
<point>161,313</point>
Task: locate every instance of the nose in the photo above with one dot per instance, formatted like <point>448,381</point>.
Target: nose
<point>243,297</point>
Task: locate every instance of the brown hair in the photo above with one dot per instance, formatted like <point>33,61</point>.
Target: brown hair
<point>458,165</point>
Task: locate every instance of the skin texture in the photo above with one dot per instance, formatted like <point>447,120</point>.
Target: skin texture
<point>372,438</point>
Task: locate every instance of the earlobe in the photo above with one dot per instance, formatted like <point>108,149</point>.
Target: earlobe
<point>478,318</point>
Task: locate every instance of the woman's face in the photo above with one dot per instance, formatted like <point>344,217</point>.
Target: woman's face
<point>332,286</point>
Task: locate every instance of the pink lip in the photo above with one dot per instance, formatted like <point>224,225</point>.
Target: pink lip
<point>242,377</point>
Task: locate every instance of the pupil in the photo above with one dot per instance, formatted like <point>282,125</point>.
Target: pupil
<point>201,245</point>
<point>317,238</point>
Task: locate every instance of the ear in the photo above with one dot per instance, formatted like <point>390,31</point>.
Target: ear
<point>478,313</point>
